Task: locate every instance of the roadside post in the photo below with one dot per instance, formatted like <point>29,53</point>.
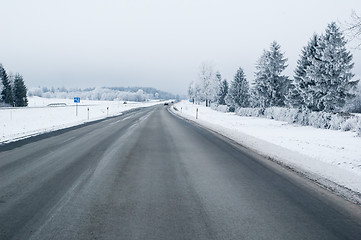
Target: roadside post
<point>76,101</point>
<point>107,111</point>
<point>197,113</point>
<point>88,113</point>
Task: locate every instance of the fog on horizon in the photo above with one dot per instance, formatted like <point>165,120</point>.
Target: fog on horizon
<point>157,43</point>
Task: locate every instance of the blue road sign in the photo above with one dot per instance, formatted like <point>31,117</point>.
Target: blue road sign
<point>77,99</point>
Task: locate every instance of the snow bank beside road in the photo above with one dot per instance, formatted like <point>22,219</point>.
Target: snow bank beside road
<point>323,155</point>
<point>17,123</point>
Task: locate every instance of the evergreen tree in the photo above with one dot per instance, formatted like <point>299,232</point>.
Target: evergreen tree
<point>222,92</point>
<point>300,91</point>
<point>254,101</point>
<point>331,71</point>
<point>238,95</point>
<point>270,86</point>
<point>20,99</point>
<point>6,93</point>
<point>293,97</point>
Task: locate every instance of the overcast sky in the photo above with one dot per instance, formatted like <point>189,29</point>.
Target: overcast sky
<point>155,43</point>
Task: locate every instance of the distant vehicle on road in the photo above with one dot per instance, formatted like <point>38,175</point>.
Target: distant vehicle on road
<point>166,104</point>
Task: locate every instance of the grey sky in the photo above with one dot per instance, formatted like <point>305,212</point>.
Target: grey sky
<point>155,43</point>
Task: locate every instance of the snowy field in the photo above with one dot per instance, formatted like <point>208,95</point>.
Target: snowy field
<point>39,117</point>
<point>331,158</point>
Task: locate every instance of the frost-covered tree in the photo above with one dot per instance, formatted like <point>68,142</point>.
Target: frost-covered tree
<point>191,94</point>
<point>195,92</point>
<point>354,105</point>
<point>218,79</point>
<point>139,95</point>
<point>300,92</point>
<point>11,78</point>
<point>102,93</point>
<point>208,82</point>
<point>238,95</point>
<point>271,87</point>
<point>253,100</point>
<point>205,88</point>
<point>331,71</point>
<point>6,93</point>
<point>222,92</point>
<point>293,97</point>
<point>20,99</point>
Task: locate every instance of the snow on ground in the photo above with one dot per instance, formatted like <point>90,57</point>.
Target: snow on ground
<point>38,117</point>
<point>323,155</point>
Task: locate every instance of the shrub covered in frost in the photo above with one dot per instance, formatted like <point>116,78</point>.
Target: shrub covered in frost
<point>325,120</point>
<point>249,112</point>
<point>350,124</point>
<point>220,108</point>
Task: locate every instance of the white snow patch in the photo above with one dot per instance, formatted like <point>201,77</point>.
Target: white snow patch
<point>39,117</point>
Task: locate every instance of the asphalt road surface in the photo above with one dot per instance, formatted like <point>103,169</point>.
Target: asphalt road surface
<point>150,175</point>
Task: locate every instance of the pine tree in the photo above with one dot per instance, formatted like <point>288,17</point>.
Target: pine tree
<point>222,92</point>
<point>20,99</point>
<point>270,86</point>
<point>238,95</point>
<point>293,97</point>
<point>331,71</point>
<point>6,93</point>
<point>300,91</point>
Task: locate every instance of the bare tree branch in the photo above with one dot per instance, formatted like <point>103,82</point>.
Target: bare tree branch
<point>352,29</point>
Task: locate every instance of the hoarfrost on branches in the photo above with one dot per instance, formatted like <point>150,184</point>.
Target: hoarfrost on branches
<point>330,72</point>
<point>238,95</point>
<point>270,85</point>
<point>206,87</point>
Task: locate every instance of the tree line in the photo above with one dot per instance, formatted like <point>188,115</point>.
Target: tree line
<point>322,81</point>
<point>13,89</point>
<point>138,94</point>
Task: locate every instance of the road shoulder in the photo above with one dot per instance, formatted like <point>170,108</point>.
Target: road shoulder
<point>328,187</point>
